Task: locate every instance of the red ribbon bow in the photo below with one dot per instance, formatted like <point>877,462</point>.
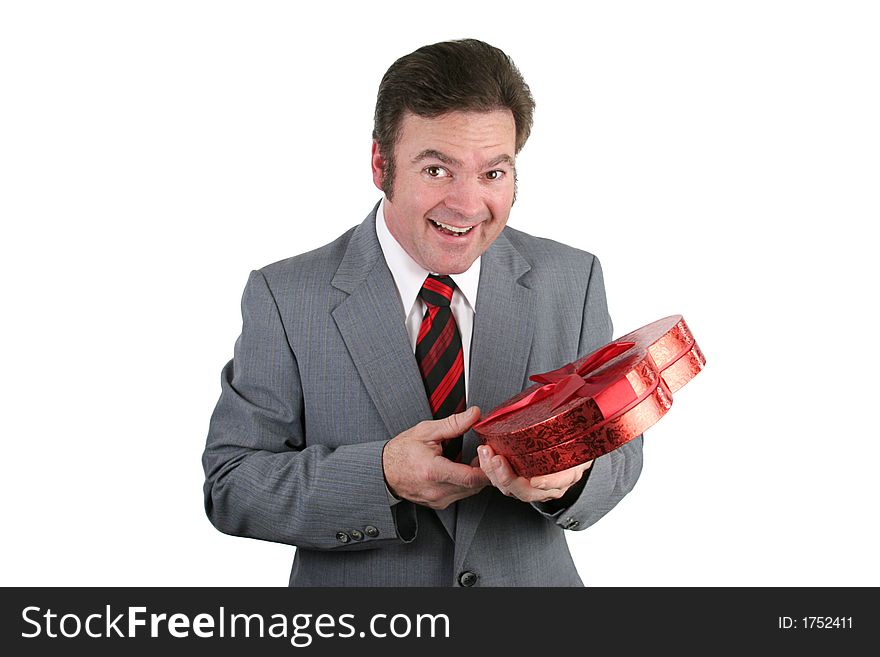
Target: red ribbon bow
<point>567,382</point>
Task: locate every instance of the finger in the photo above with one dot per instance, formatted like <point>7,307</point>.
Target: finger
<point>506,475</point>
<point>503,477</point>
<point>465,476</point>
<point>548,495</point>
<point>562,479</point>
<point>499,471</point>
<point>452,426</point>
<point>484,453</point>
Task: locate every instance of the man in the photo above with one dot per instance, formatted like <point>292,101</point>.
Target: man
<point>360,365</point>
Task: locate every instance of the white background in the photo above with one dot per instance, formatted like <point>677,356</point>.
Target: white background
<point>722,160</point>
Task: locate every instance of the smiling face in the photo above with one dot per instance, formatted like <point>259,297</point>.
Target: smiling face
<point>453,186</point>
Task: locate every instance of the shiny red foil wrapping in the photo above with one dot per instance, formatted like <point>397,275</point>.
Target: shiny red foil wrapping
<point>590,407</point>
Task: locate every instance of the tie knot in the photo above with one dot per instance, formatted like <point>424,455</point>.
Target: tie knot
<point>437,290</point>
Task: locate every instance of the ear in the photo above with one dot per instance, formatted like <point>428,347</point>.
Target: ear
<point>378,164</point>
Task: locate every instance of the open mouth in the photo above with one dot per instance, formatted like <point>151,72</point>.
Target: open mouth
<point>446,229</point>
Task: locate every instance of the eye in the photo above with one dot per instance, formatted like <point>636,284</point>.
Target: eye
<point>495,174</point>
<point>436,172</point>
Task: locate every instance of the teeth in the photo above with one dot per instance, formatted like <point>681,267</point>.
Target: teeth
<point>459,231</point>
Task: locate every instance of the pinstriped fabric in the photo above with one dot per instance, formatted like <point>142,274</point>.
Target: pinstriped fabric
<point>440,356</point>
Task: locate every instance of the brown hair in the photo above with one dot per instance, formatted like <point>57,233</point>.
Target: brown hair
<point>465,75</point>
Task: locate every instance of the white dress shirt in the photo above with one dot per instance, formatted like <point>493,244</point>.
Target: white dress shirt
<point>409,276</point>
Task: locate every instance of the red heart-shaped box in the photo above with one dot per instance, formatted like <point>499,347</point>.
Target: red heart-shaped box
<point>596,404</point>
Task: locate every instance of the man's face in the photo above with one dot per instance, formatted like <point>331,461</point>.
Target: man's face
<point>456,170</point>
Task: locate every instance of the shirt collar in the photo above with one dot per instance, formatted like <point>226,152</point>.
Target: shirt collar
<point>409,275</point>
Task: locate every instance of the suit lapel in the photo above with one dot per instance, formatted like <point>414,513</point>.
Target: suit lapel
<point>379,345</point>
<point>504,323</point>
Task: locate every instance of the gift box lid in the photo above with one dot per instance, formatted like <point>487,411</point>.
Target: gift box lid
<point>597,403</point>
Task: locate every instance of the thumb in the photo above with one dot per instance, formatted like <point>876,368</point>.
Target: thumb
<point>454,425</point>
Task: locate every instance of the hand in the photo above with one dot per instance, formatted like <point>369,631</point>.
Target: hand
<point>537,489</point>
<point>416,470</point>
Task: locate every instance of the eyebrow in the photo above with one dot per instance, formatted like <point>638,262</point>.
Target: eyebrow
<point>499,160</point>
<point>431,154</point>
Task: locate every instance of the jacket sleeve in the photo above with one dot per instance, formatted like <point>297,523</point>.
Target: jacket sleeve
<point>612,475</point>
<point>261,478</point>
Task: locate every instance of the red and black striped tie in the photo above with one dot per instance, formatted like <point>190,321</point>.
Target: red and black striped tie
<point>440,356</point>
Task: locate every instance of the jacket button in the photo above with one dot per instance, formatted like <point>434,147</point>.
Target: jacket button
<point>342,537</point>
<point>570,523</point>
<point>371,531</point>
<point>467,578</point>
<point>356,535</point>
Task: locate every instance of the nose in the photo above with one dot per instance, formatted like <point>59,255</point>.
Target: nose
<point>465,197</point>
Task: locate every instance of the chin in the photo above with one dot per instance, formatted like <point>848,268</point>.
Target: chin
<point>446,265</point>
<point>455,268</point>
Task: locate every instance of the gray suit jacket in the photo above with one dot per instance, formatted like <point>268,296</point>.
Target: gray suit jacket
<point>323,376</point>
